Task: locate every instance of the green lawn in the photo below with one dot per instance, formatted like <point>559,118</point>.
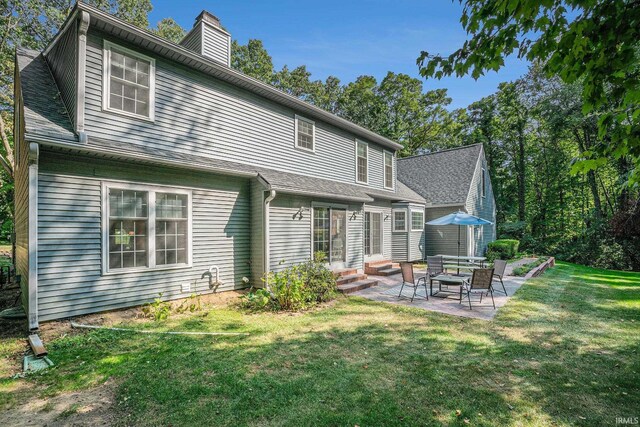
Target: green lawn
<point>564,351</point>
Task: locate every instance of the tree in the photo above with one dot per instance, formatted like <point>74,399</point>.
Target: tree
<point>169,29</point>
<point>252,59</point>
<point>598,48</point>
<point>295,82</point>
<point>327,94</point>
<point>135,12</point>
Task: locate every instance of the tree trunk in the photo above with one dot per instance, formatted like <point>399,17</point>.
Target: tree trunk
<point>591,175</point>
<point>521,175</point>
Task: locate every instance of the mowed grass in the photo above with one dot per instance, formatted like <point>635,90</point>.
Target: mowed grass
<point>564,351</point>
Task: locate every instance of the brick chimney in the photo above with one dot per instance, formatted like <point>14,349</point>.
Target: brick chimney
<point>208,38</point>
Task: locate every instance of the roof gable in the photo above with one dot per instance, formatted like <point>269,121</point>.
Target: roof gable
<point>443,177</point>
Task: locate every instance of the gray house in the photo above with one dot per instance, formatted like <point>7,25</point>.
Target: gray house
<point>451,180</point>
<point>145,166</point>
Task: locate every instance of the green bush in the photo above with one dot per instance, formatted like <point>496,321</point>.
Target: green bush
<point>502,249</point>
<point>294,288</point>
<point>524,269</point>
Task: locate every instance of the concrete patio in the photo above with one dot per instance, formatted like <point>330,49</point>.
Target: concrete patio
<point>387,291</point>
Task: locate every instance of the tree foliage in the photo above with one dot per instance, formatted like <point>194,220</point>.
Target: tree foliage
<point>169,29</point>
<point>591,43</point>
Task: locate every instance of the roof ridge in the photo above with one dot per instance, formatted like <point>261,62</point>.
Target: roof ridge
<point>442,151</point>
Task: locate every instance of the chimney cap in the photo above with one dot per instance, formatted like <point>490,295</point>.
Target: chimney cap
<point>209,18</point>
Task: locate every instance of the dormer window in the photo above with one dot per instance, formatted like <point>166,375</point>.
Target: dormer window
<point>129,80</point>
<point>305,134</point>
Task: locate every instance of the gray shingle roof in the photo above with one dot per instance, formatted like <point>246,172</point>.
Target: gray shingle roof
<point>280,181</point>
<point>443,177</point>
<point>44,111</point>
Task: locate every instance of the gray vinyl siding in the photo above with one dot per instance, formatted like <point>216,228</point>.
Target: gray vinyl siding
<point>200,115</point>
<point>483,207</point>
<point>21,199</point>
<point>257,232</point>
<point>290,237</point>
<point>416,245</point>
<point>193,40</point>
<point>215,44</point>
<point>400,246</point>
<point>62,62</point>
<point>69,237</point>
<point>443,239</point>
<point>383,206</point>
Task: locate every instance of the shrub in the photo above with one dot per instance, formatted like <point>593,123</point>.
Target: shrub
<point>502,249</point>
<point>512,230</point>
<point>524,269</point>
<point>294,288</point>
<point>158,309</point>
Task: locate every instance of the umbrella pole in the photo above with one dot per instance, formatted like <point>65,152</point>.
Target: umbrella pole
<point>458,250</point>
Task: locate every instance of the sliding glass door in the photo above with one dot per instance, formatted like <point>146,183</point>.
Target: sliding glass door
<point>372,233</point>
<point>330,233</point>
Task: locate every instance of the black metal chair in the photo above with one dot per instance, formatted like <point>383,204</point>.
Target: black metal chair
<point>499,267</point>
<point>408,279</point>
<point>481,282</point>
<point>435,266</point>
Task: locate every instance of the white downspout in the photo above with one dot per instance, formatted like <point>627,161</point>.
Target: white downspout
<point>267,201</point>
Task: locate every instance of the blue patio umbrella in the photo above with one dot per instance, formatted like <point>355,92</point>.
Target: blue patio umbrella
<point>459,218</point>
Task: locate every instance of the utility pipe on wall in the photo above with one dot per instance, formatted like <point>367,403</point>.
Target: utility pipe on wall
<point>267,201</point>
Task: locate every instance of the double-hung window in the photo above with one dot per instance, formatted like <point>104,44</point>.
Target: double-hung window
<point>362,162</point>
<point>400,220</point>
<point>484,183</point>
<point>305,133</point>
<point>146,227</point>
<point>388,170</point>
<point>417,220</point>
<point>129,82</point>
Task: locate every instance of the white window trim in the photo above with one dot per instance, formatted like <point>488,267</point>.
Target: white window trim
<point>151,232</point>
<point>411,215</point>
<point>295,133</point>
<point>393,220</point>
<point>366,144</point>
<point>483,183</point>
<point>106,81</point>
<point>384,168</point>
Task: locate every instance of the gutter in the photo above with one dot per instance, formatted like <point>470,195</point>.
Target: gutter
<point>56,143</point>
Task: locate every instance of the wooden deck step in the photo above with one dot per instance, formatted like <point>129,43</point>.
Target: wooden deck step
<point>343,280</point>
<point>358,285</point>
<point>388,271</point>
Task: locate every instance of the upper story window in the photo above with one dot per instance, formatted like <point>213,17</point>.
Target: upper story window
<point>400,220</point>
<point>129,82</point>
<point>484,183</point>
<point>146,227</point>
<point>388,170</point>
<point>417,220</point>
<point>305,134</point>
<point>362,162</point>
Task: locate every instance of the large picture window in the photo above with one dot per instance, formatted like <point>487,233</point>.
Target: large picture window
<point>147,227</point>
<point>128,82</point>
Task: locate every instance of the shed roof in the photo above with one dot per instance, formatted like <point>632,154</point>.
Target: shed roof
<point>44,112</point>
<point>443,177</point>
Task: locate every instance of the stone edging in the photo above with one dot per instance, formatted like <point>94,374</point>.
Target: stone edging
<point>551,262</point>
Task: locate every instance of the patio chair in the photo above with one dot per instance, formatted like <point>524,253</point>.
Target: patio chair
<point>499,267</point>
<point>480,283</point>
<point>408,279</point>
<point>435,266</point>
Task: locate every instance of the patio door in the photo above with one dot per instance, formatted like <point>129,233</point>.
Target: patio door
<point>372,233</point>
<point>330,234</point>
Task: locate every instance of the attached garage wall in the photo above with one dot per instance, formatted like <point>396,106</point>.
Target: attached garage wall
<point>443,239</point>
<point>69,236</point>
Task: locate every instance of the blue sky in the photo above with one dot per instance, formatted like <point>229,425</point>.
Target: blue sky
<point>349,38</point>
